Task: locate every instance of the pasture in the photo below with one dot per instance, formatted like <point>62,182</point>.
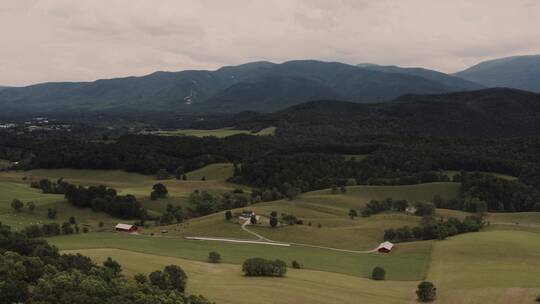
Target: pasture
<point>224,132</point>
<point>223,283</point>
<point>407,263</point>
<point>487,267</point>
<point>330,211</point>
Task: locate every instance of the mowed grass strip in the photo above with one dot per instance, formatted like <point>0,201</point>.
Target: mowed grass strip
<point>224,132</point>
<point>408,262</point>
<point>487,267</point>
<point>224,283</point>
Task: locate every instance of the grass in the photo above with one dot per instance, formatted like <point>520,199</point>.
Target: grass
<point>15,184</point>
<point>221,171</point>
<point>4,164</point>
<point>407,262</point>
<point>224,283</point>
<point>487,267</point>
<point>330,211</point>
<point>499,175</point>
<point>224,132</point>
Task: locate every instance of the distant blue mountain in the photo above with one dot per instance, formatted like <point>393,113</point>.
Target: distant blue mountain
<point>519,72</point>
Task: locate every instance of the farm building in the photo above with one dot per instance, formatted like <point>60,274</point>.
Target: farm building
<point>125,228</point>
<point>410,210</point>
<point>246,216</point>
<point>385,247</point>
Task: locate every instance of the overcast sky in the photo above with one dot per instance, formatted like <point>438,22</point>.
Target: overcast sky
<point>72,40</point>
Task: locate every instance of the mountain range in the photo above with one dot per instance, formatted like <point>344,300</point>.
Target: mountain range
<point>520,72</point>
<point>259,86</point>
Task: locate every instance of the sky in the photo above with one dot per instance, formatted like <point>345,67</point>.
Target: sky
<point>84,40</point>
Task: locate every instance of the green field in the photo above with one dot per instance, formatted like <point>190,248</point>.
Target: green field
<point>487,267</point>
<point>4,164</point>
<point>16,184</point>
<point>331,212</point>
<point>408,262</point>
<point>225,132</point>
<point>223,283</point>
<point>499,175</point>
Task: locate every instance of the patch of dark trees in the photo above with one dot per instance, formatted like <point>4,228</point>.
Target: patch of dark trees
<point>32,271</point>
<point>432,229</point>
<point>98,198</point>
<point>259,267</point>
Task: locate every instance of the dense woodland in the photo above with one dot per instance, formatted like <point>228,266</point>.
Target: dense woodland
<point>32,271</point>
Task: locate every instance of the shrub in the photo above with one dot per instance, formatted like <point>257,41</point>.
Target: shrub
<point>258,267</point>
<point>214,257</point>
<point>273,222</point>
<point>426,292</point>
<point>296,265</point>
<point>17,205</point>
<point>228,215</point>
<point>378,273</point>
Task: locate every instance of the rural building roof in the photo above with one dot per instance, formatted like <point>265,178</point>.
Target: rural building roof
<point>386,245</point>
<point>123,226</point>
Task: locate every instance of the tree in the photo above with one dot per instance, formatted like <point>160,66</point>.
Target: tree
<point>258,267</point>
<point>296,265</point>
<point>228,215</point>
<point>426,292</point>
<point>162,174</point>
<point>31,206</point>
<point>113,265</point>
<point>378,273</point>
<point>66,228</point>
<point>51,213</point>
<point>140,278</point>
<point>353,214</point>
<point>159,191</point>
<point>17,205</point>
<point>424,208</point>
<point>292,193</point>
<point>177,277</point>
<point>214,257</point>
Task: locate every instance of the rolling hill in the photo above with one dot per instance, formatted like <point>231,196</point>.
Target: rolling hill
<point>484,113</point>
<point>261,86</point>
<point>519,72</point>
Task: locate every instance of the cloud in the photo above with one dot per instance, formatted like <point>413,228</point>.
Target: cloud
<point>58,40</point>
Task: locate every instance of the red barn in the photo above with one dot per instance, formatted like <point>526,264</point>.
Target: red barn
<point>125,228</point>
<point>385,247</point>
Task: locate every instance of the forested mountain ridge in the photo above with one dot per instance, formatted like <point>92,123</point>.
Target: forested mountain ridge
<point>261,86</point>
<point>520,72</point>
<point>483,113</point>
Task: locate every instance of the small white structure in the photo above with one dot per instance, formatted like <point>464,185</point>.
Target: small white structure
<point>125,228</point>
<point>410,210</point>
<point>385,247</point>
<point>245,215</point>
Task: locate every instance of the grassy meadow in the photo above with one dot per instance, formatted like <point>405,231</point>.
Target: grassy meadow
<point>408,262</point>
<point>224,132</point>
<point>487,267</point>
<point>16,184</point>
<point>223,283</point>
